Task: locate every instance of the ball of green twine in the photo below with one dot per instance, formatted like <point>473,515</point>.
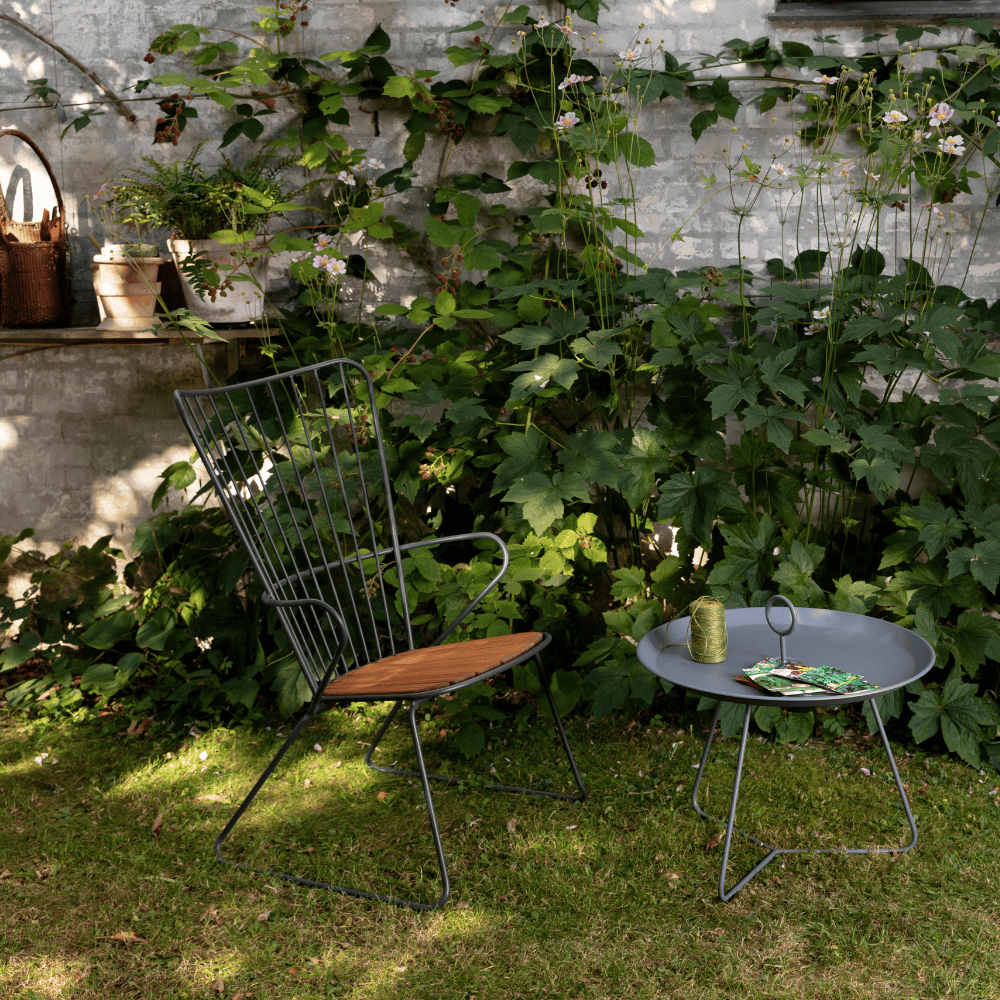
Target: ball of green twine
<point>707,638</point>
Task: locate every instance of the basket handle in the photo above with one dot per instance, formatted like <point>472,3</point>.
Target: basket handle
<point>14,133</point>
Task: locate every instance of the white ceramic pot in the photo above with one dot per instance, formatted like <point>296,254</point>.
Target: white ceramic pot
<point>242,303</point>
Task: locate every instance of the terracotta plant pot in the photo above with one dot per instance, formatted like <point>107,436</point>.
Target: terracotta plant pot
<point>126,289</point>
<point>243,303</point>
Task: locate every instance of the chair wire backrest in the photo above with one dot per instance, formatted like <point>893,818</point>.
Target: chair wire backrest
<point>299,465</point>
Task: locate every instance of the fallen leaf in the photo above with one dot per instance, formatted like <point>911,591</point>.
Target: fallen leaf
<point>713,842</point>
<point>307,850</point>
<point>213,915</point>
<point>444,732</point>
<point>143,726</point>
<point>308,783</point>
<point>573,827</point>
<point>203,755</point>
<point>294,971</point>
<point>127,937</point>
<point>339,763</point>
<point>265,916</point>
<point>5,874</point>
<point>381,795</point>
<point>157,825</point>
<point>211,797</point>
<point>776,880</point>
<point>318,747</point>
<point>219,986</point>
<point>38,760</point>
<point>462,906</point>
<point>671,875</point>
<point>133,725</point>
<point>511,824</point>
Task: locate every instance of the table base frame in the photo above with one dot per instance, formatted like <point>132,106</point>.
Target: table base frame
<point>725,895</point>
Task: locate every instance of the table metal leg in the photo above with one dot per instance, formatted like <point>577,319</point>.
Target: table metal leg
<point>773,852</point>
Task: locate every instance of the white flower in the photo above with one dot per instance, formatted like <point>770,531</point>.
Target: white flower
<point>333,266</point>
<point>203,755</point>
<point>894,117</point>
<point>813,328</point>
<point>821,314</point>
<point>567,121</point>
<point>845,171</point>
<point>543,22</point>
<point>954,144</point>
<point>826,79</point>
<point>919,135</point>
<point>319,261</point>
<point>780,170</point>
<point>817,378</point>
<point>940,113</point>
<point>565,29</point>
<point>629,56</point>
<point>521,34</point>
<point>874,177</point>
<point>317,747</point>
<point>574,78</point>
<point>370,163</point>
<point>345,178</point>
<point>323,240</point>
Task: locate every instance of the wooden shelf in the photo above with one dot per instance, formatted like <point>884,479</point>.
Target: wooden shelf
<point>79,336</point>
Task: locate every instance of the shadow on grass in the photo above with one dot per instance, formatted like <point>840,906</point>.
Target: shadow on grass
<point>614,898</point>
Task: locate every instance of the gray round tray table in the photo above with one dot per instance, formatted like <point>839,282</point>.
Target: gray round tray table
<point>883,653</point>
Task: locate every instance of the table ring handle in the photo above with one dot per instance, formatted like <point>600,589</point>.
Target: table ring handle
<point>767,615</point>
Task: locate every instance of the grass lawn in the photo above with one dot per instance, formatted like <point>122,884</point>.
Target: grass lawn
<point>615,898</point>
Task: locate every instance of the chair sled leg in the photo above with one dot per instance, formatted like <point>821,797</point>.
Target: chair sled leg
<point>496,786</point>
<point>358,893</point>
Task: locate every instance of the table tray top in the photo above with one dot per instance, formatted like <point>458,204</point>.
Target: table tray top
<point>883,653</point>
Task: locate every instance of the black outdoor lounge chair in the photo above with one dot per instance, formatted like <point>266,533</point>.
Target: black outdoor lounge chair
<point>299,465</point>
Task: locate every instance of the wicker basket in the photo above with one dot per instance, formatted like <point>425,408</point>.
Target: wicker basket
<point>34,288</point>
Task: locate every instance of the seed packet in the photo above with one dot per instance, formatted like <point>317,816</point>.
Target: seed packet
<point>776,677</point>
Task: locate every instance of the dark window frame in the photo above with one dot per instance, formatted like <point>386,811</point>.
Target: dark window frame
<point>867,11</point>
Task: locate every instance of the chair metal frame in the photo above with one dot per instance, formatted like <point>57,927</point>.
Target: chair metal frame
<point>256,491</point>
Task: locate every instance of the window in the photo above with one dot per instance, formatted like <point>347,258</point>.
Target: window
<point>881,10</point>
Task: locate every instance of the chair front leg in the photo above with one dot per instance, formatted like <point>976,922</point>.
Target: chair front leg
<point>432,816</point>
<point>543,677</point>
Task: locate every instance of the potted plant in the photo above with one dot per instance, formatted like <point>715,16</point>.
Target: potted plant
<point>223,282</point>
<point>125,282</point>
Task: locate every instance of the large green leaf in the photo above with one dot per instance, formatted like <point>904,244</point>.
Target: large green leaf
<point>642,455</point>
<point>542,498</point>
<point>105,633</point>
<point>963,718</point>
<point>539,372</point>
<point>747,556</point>
<point>697,497</point>
<point>526,453</point>
<point>592,455</point>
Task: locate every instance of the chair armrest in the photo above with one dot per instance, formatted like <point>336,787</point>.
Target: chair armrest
<point>338,620</point>
<point>496,579</point>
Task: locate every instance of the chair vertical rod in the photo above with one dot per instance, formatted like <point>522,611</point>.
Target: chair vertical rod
<point>431,815</point>
<point>390,513</point>
<point>544,678</point>
<point>235,506</point>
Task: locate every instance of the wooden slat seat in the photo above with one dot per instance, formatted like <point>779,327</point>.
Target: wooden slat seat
<point>418,670</point>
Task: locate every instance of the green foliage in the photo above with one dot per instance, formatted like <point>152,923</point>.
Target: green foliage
<point>552,387</point>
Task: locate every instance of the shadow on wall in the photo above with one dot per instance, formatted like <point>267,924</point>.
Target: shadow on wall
<point>85,433</point>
